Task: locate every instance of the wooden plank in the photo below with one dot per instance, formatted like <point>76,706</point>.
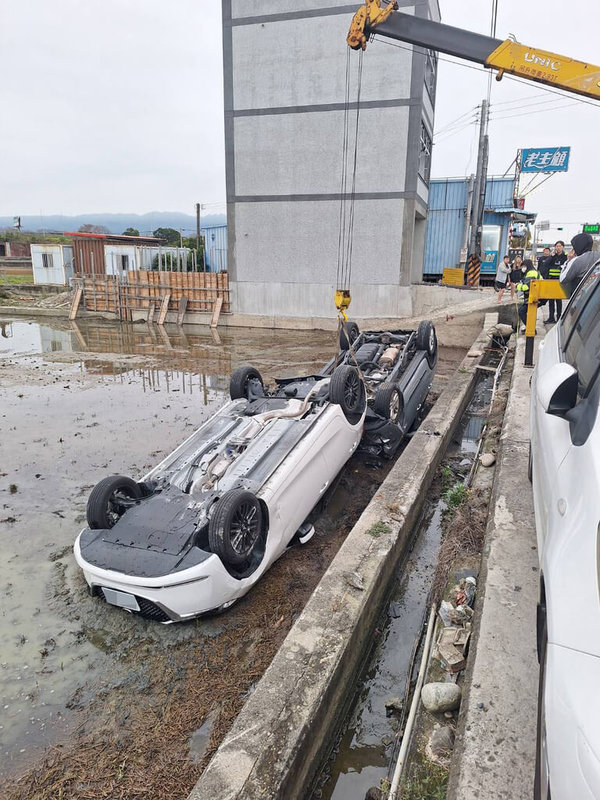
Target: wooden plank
<point>164,308</point>
<point>78,334</point>
<point>151,309</point>
<point>216,312</point>
<point>183,301</point>
<point>75,303</point>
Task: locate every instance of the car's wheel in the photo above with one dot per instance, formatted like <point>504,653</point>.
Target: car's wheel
<point>541,784</point>
<point>349,333</point>
<point>427,340</point>
<point>242,379</point>
<point>235,526</point>
<point>108,500</point>
<point>530,465</point>
<point>389,403</point>
<point>347,390</point>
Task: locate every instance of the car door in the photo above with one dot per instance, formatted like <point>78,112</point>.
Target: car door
<point>573,340</point>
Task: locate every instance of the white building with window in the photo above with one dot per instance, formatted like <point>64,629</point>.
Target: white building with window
<point>285,107</point>
<point>52,263</point>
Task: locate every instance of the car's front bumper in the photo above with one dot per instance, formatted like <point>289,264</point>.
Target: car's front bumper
<point>169,598</point>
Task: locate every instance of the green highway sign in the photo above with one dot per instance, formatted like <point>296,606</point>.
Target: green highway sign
<point>592,228</point>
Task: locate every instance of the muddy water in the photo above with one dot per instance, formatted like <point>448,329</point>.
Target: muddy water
<point>364,754</point>
<point>77,403</point>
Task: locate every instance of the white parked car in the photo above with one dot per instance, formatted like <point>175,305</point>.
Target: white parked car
<point>565,467</point>
<point>199,530</point>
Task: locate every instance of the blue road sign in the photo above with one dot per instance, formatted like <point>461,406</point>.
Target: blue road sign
<point>545,159</point>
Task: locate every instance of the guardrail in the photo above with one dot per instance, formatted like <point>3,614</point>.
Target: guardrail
<point>538,290</point>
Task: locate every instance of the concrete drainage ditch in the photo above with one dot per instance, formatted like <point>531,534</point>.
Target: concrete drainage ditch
<point>274,748</point>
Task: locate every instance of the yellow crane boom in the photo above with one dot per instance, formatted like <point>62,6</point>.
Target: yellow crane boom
<point>505,56</point>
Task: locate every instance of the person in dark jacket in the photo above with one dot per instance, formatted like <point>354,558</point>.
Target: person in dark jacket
<point>544,262</point>
<point>554,265</point>
<point>582,259</point>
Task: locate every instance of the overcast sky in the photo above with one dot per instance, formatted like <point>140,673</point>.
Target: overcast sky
<point>116,105</point>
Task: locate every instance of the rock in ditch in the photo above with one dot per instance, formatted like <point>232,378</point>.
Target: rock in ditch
<point>487,459</point>
<point>440,697</point>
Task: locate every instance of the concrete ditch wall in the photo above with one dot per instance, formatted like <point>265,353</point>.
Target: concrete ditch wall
<point>274,747</point>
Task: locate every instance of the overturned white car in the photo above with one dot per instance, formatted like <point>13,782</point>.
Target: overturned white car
<point>199,530</point>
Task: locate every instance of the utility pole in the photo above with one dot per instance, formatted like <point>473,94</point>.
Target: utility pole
<point>480,184</point>
<point>465,244</point>
<point>197,226</point>
<point>474,261</point>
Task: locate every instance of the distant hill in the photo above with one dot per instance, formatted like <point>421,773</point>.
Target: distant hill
<point>116,223</point>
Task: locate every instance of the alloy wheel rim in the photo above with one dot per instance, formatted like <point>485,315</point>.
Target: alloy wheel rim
<point>244,528</point>
<point>394,406</point>
<point>351,390</point>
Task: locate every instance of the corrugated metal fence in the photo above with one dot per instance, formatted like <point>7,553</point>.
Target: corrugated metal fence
<point>447,218</point>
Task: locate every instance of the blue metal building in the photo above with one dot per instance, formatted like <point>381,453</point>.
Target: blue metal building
<point>447,229</point>
<point>215,247</point>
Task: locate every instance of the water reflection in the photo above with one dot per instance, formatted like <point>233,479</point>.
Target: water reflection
<point>73,337</point>
<point>197,362</point>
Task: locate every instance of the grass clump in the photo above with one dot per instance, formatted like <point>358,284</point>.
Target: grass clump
<point>455,495</point>
<point>378,529</point>
<point>16,280</point>
<point>429,782</point>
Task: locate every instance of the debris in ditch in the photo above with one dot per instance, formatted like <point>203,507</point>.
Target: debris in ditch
<point>463,537</point>
<point>470,588</point>
<point>451,658</point>
<point>441,744</point>
<point>444,612</point>
<point>487,459</point>
<point>394,704</point>
<point>438,697</point>
<point>374,793</point>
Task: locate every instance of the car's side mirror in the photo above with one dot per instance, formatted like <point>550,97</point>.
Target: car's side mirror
<point>557,389</point>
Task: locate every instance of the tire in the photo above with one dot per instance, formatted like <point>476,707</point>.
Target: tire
<point>235,526</point>
<point>240,382</point>
<point>366,353</point>
<point>103,509</point>
<point>530,465</point>
<point>347,390</point>
<point>427,340</point>
<point>389,403</point>
<point>349,333</point>
<point>541,784</point>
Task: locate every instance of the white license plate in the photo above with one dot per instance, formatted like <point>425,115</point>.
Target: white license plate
<point>122,599</point>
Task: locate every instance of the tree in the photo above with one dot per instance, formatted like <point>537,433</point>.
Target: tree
<point>170,235</point>
<point>92,229</point>
<point>130,232</point>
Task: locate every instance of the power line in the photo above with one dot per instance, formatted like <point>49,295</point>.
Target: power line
<point>449,124</point>
<point>527,113</point>
<point>449,134</point>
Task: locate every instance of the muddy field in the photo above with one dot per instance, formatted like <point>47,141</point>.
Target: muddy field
<point>96,702</point>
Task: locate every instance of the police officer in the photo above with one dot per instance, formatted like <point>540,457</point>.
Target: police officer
<point>531,274</point>
<point>553,266</point>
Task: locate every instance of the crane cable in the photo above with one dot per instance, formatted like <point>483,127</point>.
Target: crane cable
<point>347,198</point>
